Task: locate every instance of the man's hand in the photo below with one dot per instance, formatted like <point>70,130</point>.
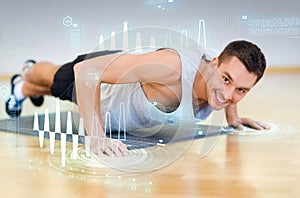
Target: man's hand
<point>110,147</point>
<point>239,123</point>
<point>235,121</point>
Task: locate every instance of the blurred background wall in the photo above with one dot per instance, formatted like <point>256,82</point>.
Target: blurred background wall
<point>59,30</point>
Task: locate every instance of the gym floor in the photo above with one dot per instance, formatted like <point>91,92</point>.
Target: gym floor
<point>244,164</point>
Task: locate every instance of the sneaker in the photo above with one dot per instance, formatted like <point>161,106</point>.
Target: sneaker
<point>13,106</point>
<point>27,65</point>
<point>36,100</point>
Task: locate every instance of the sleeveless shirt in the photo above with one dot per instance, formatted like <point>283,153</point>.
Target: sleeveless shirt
<point>126,105</point>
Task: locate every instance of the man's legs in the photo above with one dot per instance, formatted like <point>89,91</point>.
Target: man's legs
<point>35,82</point>
<point>38,79</point>
<point>45,78</point>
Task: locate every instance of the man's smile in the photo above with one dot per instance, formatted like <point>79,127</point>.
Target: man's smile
<point>220,99</point>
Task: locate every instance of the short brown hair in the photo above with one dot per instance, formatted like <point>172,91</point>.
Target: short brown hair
<point>248,53</point>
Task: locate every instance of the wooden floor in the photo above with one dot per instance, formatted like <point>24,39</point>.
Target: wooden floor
<point>265,164</point>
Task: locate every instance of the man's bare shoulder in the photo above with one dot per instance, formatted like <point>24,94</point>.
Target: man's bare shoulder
<point>168,57</point>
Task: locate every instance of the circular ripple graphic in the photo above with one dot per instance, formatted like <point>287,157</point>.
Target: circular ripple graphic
<point>86,168</point>
<point>142,160</point>
<point>276,131</point>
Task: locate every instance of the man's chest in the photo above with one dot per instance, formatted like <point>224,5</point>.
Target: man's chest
<point>165,95</point>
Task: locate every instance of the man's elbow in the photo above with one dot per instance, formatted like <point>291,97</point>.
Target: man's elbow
<point>76,68</point>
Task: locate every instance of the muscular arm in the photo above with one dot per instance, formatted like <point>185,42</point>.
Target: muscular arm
<point>159,66</point>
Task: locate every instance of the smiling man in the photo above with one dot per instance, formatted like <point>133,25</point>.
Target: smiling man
<point>177,85</point>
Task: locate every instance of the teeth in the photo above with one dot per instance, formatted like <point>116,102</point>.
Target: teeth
<point>220,100</point>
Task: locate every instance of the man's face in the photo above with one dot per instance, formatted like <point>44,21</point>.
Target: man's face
<point>228,83</point>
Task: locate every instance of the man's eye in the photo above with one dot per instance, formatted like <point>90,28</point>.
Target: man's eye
<point>240,90</point>
<point>226,80</point>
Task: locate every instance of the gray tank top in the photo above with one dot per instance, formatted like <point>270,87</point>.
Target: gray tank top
<point>126,104</point>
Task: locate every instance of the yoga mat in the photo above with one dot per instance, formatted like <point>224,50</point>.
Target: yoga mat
<point>158,135</point>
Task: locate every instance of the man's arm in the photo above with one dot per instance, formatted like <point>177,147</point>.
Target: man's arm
<point>235,121</point>
<point>160,66</point>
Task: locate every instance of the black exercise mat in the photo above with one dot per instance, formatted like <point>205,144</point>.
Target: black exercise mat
<point>143,138</point>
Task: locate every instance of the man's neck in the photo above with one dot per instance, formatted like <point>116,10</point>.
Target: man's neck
<point>200,83</point>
